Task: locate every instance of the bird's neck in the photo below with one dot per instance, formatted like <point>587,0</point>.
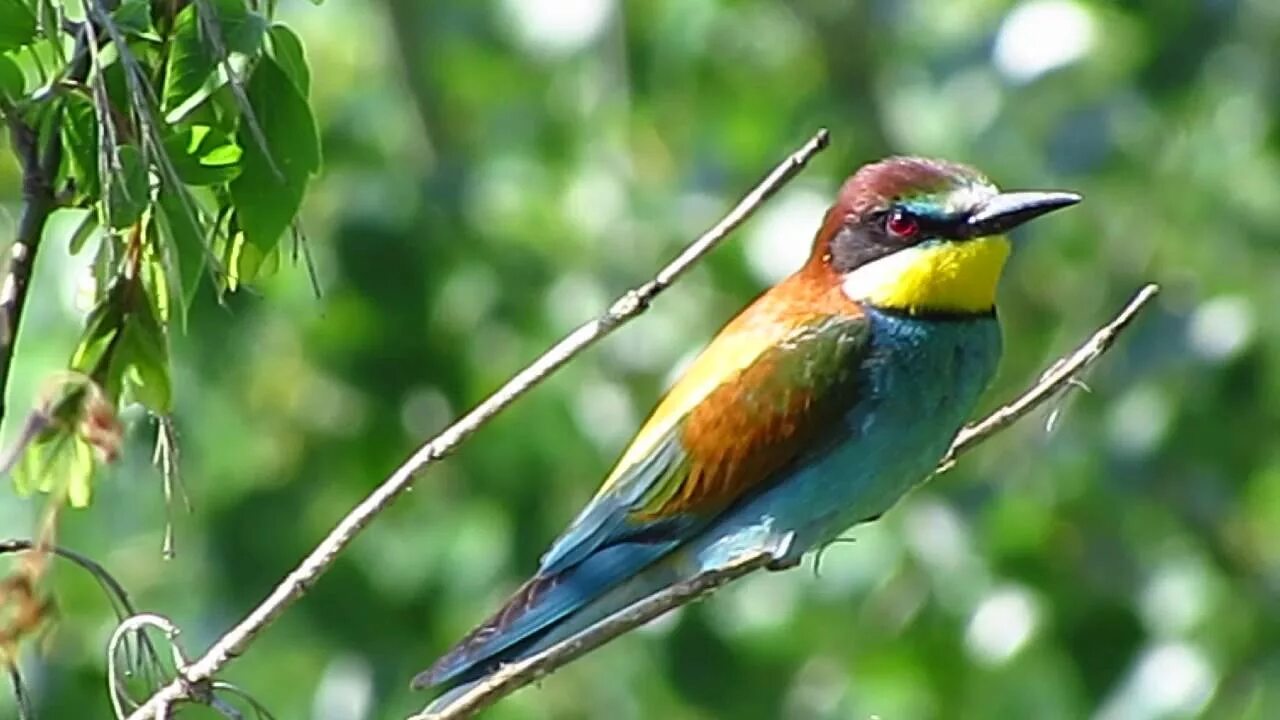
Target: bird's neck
<point>950,278</point>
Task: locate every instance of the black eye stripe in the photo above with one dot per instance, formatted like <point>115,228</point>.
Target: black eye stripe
<point>856,245</point>
<point>868,238</point>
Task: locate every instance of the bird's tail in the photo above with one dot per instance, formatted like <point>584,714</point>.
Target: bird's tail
<point>549,608</point>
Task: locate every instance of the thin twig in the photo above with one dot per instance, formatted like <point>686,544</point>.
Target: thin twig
<point>137,625</point>
<point>509,678</point>
<point>302,246</point>
<point>20,696</point>
<point>1061,375</point>
<point>260,711</point>
<point>225,709</point>
<point>115,591</point>
<point>624,309</point>
<point>165,458</point>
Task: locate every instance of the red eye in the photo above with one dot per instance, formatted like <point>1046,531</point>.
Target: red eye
<point>901,224</point>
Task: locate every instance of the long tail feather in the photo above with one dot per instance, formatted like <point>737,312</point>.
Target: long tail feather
<point>537,609</point>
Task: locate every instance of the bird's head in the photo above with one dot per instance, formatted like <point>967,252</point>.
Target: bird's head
<point>923,236</point>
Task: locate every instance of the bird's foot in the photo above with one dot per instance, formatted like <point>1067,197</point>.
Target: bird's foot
<point>785,554</point>
<point>782,563</point>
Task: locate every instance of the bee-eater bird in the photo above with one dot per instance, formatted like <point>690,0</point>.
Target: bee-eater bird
<point>813,410</point>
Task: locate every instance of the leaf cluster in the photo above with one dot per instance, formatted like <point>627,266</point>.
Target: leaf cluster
<point>187,144</point>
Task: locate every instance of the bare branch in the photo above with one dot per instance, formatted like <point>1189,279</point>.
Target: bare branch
<point>624,309</point>
<point>510,678</point>
<point>1061,375</point>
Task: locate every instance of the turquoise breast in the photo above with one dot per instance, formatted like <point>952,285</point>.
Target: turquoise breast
<point>920,380</point>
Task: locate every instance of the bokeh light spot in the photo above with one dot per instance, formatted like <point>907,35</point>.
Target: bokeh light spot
<point>779,240</point>
<point>1043,35</point>
<point>556,27</point>
<point>1001,626</point>
<point>1221,327</point>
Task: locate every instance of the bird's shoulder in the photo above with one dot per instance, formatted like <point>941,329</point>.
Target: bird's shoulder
<point>760,393</point>
<point>770,361</point>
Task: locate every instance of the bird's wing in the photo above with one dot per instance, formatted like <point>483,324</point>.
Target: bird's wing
<point>765,390</point>
<point>771,388</point>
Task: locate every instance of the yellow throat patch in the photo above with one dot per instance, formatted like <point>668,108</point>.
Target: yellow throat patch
<point>940,276</point>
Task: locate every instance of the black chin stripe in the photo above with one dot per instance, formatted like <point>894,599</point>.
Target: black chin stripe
<point>938,315</point>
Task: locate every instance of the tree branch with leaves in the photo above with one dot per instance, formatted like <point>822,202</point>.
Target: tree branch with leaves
<point>180,136</point>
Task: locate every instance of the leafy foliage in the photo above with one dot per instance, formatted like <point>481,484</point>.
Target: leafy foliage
<point>183,184</point>
<point>17,24</point>
<point>277,169</point>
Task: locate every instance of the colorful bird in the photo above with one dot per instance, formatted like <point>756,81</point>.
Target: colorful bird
<point>813,410</point>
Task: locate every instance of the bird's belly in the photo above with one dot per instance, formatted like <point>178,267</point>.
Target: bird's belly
<point>920,383</point>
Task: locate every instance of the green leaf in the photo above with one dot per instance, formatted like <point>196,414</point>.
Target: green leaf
<point>17,24</point>
<point>26,472</point>
<point>203,155</point>
<point>266,202</point>
<point>287,50</point>
<point>48,16</point>
<point>80,140</point>
<point>193,60</point>
<point>76,465</point>
<point>242,29</point>
<point>127,196</point>
<point>12,83</point>
<point>133,17</point>
<point>31,472</point>
<point>100,327</point>
<point>270,263</point>
<point>243,262</point>
<point>186,245</point>
<point>114,78</point>
<point>145,350</point>
<point>155,277</point>
<point>105,263</point>
<point>55,461</point>
<point>83,232</point>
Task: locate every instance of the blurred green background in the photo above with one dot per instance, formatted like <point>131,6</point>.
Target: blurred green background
<point>496,171</point>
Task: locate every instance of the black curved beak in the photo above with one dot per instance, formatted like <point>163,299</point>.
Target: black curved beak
<point>1008,210</point>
